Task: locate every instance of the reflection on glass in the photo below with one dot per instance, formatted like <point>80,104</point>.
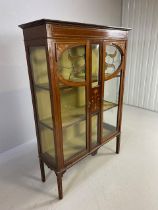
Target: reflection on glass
<point>111,96</point>
<point>95,64</point>
<point>47,142</point>
<point>94,130</point>
<point>73,120</point>
<point>39,65</point>
<point>112,59</point>
<point>71,64</point>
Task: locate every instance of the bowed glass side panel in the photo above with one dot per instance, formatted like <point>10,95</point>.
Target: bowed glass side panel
<point>39,68</point>
<point>94,130</point>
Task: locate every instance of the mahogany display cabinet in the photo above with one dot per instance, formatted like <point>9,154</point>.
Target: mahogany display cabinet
<point>76,73</point>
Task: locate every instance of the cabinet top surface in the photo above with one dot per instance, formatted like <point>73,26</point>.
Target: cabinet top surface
<point>67,23</point>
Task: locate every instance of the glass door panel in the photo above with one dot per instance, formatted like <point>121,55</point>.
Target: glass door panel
<point>38,63</point>
<point>72,65</point>
<point>113,59</point>
<point>110,106</point>
<point>72,69</point>
<point>95,65</point>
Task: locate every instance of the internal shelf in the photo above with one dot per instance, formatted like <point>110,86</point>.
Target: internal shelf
<point>74,116</point>
<point>44,86</point>
<point>47,123</point>
<point>79,78</point>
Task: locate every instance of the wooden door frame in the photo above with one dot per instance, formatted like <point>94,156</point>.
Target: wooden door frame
<point>66,44</point>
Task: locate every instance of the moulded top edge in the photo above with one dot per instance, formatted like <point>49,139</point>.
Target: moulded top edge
<point>67,23</point>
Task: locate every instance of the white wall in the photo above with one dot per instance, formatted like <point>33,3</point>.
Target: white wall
<point>16,117</point>
<point>141,86</point>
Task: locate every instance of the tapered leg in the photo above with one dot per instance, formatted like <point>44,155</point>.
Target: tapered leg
<point>43,178</point>
<point>59,182</point>
<point>118,139</point>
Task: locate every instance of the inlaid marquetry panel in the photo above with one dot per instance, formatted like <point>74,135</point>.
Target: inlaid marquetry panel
<point>95,99</point>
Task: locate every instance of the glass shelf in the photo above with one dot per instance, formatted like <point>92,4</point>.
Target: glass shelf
<point>47,123</point>
<point>77,115</point>
<point>108,74</point>
<point>108,105</point>
<point>44,86</point>
<point>72,64</point>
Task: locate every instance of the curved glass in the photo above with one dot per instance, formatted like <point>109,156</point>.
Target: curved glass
<point>113,59</point>
<point>71,64</point>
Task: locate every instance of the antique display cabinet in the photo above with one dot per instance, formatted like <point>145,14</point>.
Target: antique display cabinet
<point>76,76</point>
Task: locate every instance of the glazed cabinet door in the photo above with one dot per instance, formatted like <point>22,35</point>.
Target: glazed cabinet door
<point>72,84</point>
<point>112,87</point>
<point>95,92</point>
